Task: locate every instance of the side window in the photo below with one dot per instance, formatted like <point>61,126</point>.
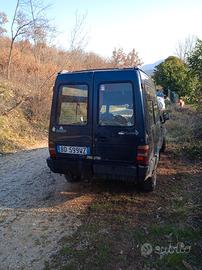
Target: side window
<point>156,112</point>
<point>116,104</point>
<point>150,114</point>
<point>73,101</point>
<point>152,111</point>
<point>151,101</point>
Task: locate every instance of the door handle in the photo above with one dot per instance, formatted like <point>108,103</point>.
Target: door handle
<point>128,133</point>
<point>121,133</point>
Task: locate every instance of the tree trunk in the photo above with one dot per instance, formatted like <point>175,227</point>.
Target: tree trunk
<point>9,60</point>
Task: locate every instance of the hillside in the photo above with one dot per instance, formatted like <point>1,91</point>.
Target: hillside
<point>17,131</point>
<point>149,68</point>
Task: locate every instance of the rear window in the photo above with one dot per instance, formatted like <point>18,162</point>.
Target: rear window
<point>73,102</point>
<point>116,106</point>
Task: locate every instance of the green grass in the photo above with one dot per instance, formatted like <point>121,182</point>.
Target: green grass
<point>172,262</point>
<point>121,247</point>
<point>175,233</point>
<point>87,249</point>
<point>112,238</point>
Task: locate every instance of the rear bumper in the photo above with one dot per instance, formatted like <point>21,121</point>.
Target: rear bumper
<point>99,169</point>
<point>115,171</point>
<point>63,166</point>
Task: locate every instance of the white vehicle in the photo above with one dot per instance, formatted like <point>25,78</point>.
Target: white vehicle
<point>161,103</point>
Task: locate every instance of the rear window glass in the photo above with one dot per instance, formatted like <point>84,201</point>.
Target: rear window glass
<point>73,101</point>
<point>116,106</point>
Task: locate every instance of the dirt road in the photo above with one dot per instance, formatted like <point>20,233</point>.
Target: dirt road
<point>37,208</point>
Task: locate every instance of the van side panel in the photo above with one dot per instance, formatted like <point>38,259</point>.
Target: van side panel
<point>152,121</point>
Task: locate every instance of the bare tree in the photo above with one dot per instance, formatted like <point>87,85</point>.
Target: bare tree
<point>3,21</point>
<point>118,57</point>
<point>132,59</point>
<point>184,48</point>
<point>42,30</point>
<point>19,27</point>
<point>30,27</point>
<point>79,36</point>
<point>29,22</point>
<point>121,59</point>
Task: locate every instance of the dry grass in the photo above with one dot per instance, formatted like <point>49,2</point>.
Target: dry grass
<point>185,133</point>
<point>17,133</point>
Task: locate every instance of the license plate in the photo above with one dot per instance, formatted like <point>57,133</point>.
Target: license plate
<point>73,150</point>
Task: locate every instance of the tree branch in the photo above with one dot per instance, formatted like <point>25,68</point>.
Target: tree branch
<point>14,107</point>
<point>14,17</point>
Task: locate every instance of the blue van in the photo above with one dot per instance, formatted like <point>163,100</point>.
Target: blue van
<point>106,124</point>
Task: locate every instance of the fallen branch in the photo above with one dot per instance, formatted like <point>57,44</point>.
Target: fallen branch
<point>18,104</point>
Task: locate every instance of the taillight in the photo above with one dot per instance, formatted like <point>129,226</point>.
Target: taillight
<point>142,154</point>
<point>52,150</point>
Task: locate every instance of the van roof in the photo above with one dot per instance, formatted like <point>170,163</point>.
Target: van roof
<point>100,70</point>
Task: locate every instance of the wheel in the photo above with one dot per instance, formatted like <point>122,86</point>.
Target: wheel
<point>72,178</point>
<point>149,184</point>
<point>163,147</point>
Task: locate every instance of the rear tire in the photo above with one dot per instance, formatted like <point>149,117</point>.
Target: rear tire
<point>72,178</point>
<point>149,184</point>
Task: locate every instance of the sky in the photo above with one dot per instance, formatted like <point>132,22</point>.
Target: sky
<point>154,28</point>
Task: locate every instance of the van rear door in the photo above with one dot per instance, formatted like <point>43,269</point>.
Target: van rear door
<point>72,115</point>
<point>114,116</point>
